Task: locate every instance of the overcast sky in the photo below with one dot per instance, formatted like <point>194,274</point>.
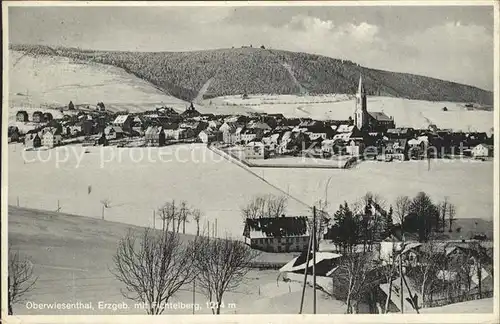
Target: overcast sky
<point>452,43</point>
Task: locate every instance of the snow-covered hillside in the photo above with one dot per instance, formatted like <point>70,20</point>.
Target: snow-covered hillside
<point>45,81</point>
<point>406,113</point>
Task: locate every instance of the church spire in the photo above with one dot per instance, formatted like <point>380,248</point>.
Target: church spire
<point>360,113</point>
<point>361,88</point>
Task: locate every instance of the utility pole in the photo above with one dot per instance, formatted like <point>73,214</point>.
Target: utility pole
<point>305,274</point>
<point>154,219</point>
<point>216,233</point>
<point>17,201</point>
<point>314,259</point>
<point>194,294</point>
<point>401,278</point>
<point>103,212</point>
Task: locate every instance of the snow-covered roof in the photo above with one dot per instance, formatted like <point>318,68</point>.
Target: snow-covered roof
<point>327,142</point>
<point>379,115</point>
<point>153,130</point>
<point>264,227</point>
<point>253,144</point>
<point>320,256</point>
<point>414,141</point>
<point>342,136</point>
<point>344,128</point>
<point>120,119</point>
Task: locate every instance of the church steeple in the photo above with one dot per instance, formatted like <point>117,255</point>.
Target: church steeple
<point>361,88</point>
<point>360,112</point>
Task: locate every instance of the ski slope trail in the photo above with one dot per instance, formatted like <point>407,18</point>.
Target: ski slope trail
<point>203,90</point>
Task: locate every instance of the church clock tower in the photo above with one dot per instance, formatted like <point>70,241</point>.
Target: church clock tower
<point>360,113</point>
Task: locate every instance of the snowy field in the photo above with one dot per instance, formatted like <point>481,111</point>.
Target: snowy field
<point>406,113</point>
<point>207,182</point>
<point>468,184</point>
<point>136,187</point>
<point>55,81</point>
<point>479,306</point>
<point>72,257</point>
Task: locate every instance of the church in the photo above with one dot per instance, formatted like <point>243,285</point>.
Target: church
<point>369,121</point>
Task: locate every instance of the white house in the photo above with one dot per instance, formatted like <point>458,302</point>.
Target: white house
<point>354,149</point>
<point>248,135</point>
<point>256,150</point>
<point>207,136</point>
<point>238,134</point>
<point>123,121</point>
<point>482,151</point>
<point>228,130</point>
<point>51,139</point>
<point>327,146</point>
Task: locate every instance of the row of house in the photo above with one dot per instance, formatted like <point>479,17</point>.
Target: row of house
<point>266,134</point>
<point>37,117</point>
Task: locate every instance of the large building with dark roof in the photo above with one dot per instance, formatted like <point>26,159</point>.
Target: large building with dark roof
<point>277,234</point>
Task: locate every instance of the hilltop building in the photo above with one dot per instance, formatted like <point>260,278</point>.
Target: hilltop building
<point>375,121</point>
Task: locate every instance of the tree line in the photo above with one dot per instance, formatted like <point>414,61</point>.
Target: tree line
<point>182,74</point>
<point>369,220</point>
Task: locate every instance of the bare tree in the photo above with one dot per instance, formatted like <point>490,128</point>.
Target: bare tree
<point>276,205</point>
<point>389,271</point>
<point>196,217</point>
<point>167,214</point>
<point>184,213</point>
<point>265,206</point>
<point>443,210</point>
<point>402,208</point>
<point>461,263</point>
<point>106,203</point>
<point>20,278</point>
<point>221,265</point>
<point>452,211</point>
<point>153,266</point>
<point>425,271</point>
<point>480,254</point>
<point>353,273</point>
<point>370,198</point>
<point>255,208</point>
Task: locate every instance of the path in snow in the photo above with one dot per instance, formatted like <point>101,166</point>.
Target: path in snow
<point>204,88</point>
<point>297,83</point>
